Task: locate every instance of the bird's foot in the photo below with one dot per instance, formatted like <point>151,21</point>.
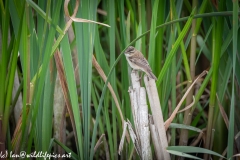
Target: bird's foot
<point>141,74</point>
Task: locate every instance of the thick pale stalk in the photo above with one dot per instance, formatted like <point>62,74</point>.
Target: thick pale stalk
<point>155,139</point>
<point>157,114</point>
<point>144,125</point>
<point>140,115</point>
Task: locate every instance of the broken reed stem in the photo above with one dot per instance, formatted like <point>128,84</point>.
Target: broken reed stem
<point>155,139</point>
<point>157,115</point>
<point>141,136</point>
<point>140,115</point>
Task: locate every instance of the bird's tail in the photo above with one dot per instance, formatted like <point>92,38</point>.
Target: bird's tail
<point>151,75</point>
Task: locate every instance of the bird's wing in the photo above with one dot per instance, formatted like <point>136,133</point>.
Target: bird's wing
<point>141,62</point>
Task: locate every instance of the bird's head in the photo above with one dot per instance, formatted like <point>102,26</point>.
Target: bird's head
<point>129,51</point>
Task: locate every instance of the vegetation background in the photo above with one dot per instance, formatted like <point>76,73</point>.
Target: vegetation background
<point>61,61</point>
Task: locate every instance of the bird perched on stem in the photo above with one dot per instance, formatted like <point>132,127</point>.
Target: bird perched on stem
<point>138,62</point>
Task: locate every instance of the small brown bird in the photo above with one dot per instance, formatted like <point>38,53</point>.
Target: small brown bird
<point>138,62</point>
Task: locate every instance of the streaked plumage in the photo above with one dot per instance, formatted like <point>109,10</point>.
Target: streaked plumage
<point>138,62</point>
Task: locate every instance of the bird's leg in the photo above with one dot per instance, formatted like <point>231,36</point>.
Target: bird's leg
<point>141,74</point>
<point>134,70</point>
